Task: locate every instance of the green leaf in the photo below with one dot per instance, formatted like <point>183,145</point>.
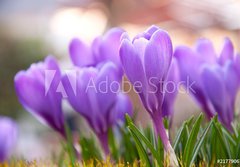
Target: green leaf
<point>179,136</point>
<point>166,123</point>
<point>238,147</point>
<point>139,135</point>
<point>225,144</point>
<point>141,151</point>
<point>188,151</point>
<point>89,149</point>
<point>135,130</point>
<point>185,134</point>
<point>185,137</point>
<point>127,148</point>
<point>235,131</point>
<point>200,142</point>
<point>112,144</point>
<point>190,121</point>
<point>69,144</point>
<point>229,136</point>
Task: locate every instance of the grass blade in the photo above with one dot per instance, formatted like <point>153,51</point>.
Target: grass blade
<point>142,152</point>
<point>137,132</point>
<point>222,138</point>
<point>69,144</point>
<point>179,136</point>
<point>112,144</point>
<point>188,151</point>
<point>200,142</point>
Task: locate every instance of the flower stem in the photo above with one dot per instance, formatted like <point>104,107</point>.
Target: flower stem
<point>161,132</point>
<point>160,129</point>
<point>103,138</point>
<point>207,110</point>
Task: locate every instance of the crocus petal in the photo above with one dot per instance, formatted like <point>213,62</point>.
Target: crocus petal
<point>134,70</point>
<point>109,46</point>
<point>8,137</point>
<point>140,46</point>
<point>232,80</point>
<point>108,85</point>
<point>205,48</point>
<point>77,96</point>
<point>146,34</point>
<point>227,52</point>
<point>215,89</point>
<point>189,63</point>
<point>152,29</point>
<point>132,64</point>
<point>51,64</point>
<point>98,119</point>
<point>80,53</point>
<point>30,92</point>
<point>154,62</point>
<point>171,89</point>
<point>54,97</point>
<point>123,106</point>
<point>154,69</point>
<point>124,36</point>
<point>162,39</point>
<point>95,50</point>
<point>237,63</point>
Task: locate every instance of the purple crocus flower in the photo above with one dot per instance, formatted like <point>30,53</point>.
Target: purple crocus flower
<point>37,88</point>
<point>97,98</point>
<point>146,61</point>
<point>215,78</point>
<point>8,137</point>
<point>103,48</point>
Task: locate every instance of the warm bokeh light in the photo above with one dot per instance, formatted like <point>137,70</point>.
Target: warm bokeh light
<point>76,22</point>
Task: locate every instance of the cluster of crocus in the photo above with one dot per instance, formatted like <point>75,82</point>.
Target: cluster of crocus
<point>8,137</point>
<point>216,77</point>
<point>146,60</point>
<point>98,75</point>
<point>40,89</point>
<point>93,89</point>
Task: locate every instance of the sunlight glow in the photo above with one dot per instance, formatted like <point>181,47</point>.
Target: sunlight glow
<point>75,22</point>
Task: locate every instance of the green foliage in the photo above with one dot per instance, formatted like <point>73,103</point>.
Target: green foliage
<point>195,143</point>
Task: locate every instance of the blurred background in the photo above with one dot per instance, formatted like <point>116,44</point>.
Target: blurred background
<point>32,29</point>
